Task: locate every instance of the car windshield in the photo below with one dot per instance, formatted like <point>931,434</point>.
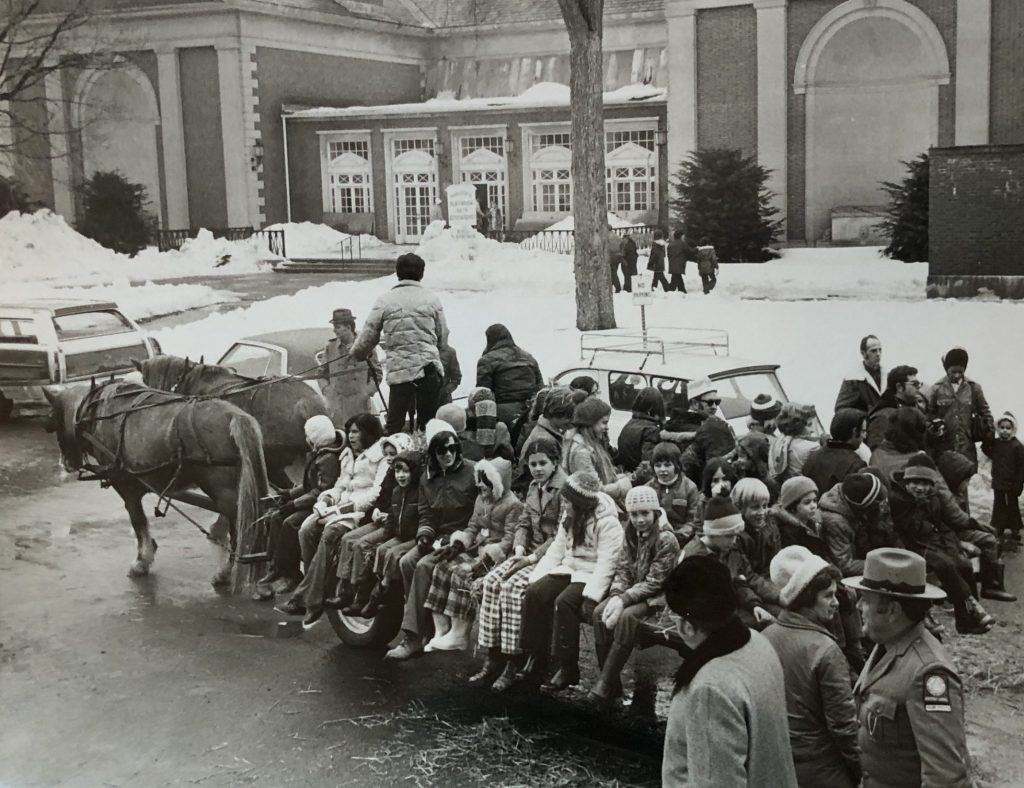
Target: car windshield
<point>252,361</point>
<point>90,324</point>
<point>20,330</point>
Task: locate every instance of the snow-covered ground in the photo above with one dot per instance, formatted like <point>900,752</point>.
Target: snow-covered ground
<point>815,341</point>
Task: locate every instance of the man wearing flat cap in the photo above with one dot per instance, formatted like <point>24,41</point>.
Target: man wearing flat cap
<point>910,702</point>
<point>346,384</point>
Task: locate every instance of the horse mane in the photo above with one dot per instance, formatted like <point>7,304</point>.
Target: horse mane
<point>192,377</point>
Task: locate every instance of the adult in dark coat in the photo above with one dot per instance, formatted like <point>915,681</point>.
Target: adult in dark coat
<point>714,437</point>
<point>615,259</point>
<point>961,404</point>
<point>642,432</point>
<point>678,251</point>
<point>838,458</point>
<point>902,390</point>
<point>630,255</point>
<point>509,371</point>
<point>452,373</point>
<point>656,262</point>
<point>862,388</point>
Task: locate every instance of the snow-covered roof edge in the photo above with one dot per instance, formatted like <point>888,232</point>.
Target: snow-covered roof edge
<point>539,96</point>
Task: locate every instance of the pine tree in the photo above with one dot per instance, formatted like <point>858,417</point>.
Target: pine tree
<point>114,213</point>
<point>907,222</point>
<point>721,199</point>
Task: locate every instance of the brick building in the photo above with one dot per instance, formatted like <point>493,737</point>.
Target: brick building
<point>828,94</point>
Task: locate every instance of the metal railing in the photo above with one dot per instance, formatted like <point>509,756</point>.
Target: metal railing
<point>166,240</point>
<point>564,241</point>
<point>352,248</point>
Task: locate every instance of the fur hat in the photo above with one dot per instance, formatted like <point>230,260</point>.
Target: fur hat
<point>764,408</point>
<point>860,490</point>
<point>1007,416</point>
<point>497,473</point>
<point>590,411</point>
<point>454,415</point>
<point>721,518</point>
<point>792,569</point>
<point>700,588</point>
<point>699,387</point>
<point>957,357</point>
<point>320,431</point>
<point>401,441</point>
<point>642,499</point>
<point>581,490</point>
<point>795,488</point>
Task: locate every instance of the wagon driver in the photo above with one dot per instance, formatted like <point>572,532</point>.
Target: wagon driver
<point>347,384</point>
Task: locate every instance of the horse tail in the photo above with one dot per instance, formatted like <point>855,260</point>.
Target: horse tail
<point>252,480</point>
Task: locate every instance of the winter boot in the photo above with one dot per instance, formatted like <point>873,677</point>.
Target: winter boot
<point>361,598</point>
<point>609,686</point>
<point>565,677</point>
<point>971,618</point>
<point>489,671</point>
<point>346,593</point>
<point>533,672</point>
<point>992,583</point>
<point>374,602</point>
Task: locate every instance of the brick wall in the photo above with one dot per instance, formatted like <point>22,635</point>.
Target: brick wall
<point>288,77</point>
<point>727,79</point>
<point>976,236</point>
<point>802,16</point>
<point>1007,113</point>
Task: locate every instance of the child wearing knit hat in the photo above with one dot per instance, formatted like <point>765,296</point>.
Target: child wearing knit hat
<point>796,515</point>
<point>1007,455</point>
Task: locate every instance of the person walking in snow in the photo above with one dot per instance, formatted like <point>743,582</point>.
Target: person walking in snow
<point>678,251</point>
<point>408,321</point>
<point>629,261</point>
<point>656,261</point>
<point>707,267</point>
<point>615,259</point>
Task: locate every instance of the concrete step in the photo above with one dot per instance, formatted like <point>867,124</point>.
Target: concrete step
<point>310,265</point>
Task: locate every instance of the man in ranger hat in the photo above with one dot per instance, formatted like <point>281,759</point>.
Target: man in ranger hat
<point>910,703</point>
<point>346,384</point>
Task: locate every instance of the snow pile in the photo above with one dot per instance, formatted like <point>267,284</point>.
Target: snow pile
<point>481,264</point>
<point>554,92</point>
<point>569,222</point>
<point>309,239</point>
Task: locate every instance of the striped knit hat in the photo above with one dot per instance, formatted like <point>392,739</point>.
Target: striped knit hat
<point>860,490</point>
<point>581,490</point>
<point>721,518</point>
<point>485,412</point>
<point>764,408</point>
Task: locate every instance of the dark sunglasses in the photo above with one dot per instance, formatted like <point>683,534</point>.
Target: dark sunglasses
<point>715,402</point>
<point>451,448</point>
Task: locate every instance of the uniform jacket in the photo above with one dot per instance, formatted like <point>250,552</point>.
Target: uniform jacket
<point>509,371</point>
<point>910,709</point>
<point>656,259</point>
<point>822,714</point>
<point>678,252</point>
<point>828,465</point>
<point>859,390</point>
<point>714,438</point>
<point>408,321</point>
<point>447,498</point>
<point>681,503</point>
<point>538,520</point>
<point>493,522</point>
<point>320,474</point>
<point>957,410</point>
<point>850,534</point>
<point>360,478</point>
<point>727,728</point>
<point>348,385</point>
<point>637,440</point>
<point>643,566</point>
<point>592,562</point>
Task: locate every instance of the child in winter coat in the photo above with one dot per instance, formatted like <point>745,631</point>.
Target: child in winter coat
<point>1007,455</point>
<point>678,497</point>
<point>707,267</point>
<point>505,586</point>
<point>759,540</point>
<point>485,542</point>
<point>656,261</point>
<point>649,553</point>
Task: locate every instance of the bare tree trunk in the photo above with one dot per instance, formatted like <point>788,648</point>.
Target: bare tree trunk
<point>583,21</point>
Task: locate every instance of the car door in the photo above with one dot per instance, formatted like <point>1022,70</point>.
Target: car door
<point>98,343</point>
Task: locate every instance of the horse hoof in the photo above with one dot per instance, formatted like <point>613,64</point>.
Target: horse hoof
<point>138,569</point>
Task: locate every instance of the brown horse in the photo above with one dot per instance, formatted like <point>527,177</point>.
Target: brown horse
<point>280,405</point>
<point>140,440</point>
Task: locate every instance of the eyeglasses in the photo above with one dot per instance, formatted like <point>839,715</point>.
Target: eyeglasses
<point>712,402</point>
<point>915,383</point>
<point>449,449</point>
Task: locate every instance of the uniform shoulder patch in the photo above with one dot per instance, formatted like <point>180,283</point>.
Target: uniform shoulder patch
<point>936,692</point>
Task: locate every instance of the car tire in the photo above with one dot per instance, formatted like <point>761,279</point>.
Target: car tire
<point>6,408</point>
<point>361,632</point>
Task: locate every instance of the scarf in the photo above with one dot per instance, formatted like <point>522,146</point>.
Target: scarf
<point>732,637</point>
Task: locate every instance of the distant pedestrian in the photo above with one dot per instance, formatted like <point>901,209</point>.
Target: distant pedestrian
<point>679,251</point>
<point>707,267</point>
<point>656,261</point>
<point>727,723</point>
<point>629,261</point>
<point>408,321</point>
<point>615,259</point>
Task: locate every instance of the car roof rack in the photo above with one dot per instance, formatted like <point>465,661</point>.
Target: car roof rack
<point>654,342</point>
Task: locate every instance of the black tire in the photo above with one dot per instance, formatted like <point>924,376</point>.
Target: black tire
<point>368,632</point>
<point>6,408</point>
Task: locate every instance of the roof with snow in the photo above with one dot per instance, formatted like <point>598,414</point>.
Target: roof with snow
<point>543,94</point>
<point>447,14</point>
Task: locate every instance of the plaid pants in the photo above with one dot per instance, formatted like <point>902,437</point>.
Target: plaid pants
<point>451,586</point>
<point>501,608</point>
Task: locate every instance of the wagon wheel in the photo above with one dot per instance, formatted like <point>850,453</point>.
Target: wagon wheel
<point>368,632</point>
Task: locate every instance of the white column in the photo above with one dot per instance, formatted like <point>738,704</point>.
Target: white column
<point>57,133</point>
<point>172,135</point>
<point>772,95</point>
<point>682,81</point>
<point>973,70</point>
<point>232,130</point>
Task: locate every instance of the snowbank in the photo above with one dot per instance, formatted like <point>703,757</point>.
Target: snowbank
<point>569,222</point>
<point>309,239</point>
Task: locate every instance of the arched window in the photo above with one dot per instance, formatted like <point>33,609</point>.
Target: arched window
<point>551,172</point>
<point>349,176</point>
